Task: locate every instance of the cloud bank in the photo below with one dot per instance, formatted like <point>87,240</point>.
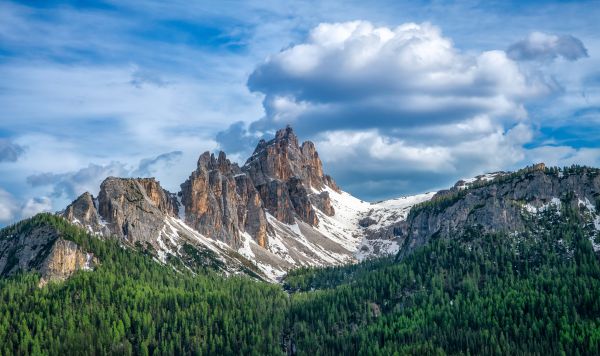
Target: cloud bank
<point>398,101</point>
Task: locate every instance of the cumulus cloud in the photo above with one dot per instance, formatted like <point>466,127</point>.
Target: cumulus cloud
<point>354,75</point>
<point>543,46</point>
<point>10,151</point>
<point>402,101</point>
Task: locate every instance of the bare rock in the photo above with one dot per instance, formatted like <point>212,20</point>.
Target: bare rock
<point>366,221</point>
<point>41,248</point>
<point>82,211</point>
<point>135,208</point>
<point>64,259</point>
<point>501,205</point>
<point>221,202</point>
<point>322,202</point>
<point>286,174</point>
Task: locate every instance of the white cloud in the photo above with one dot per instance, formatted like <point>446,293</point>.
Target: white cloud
<point>565,155</point>
<point>400,101</point>
<point>355,75</point>
<point>11,211</point>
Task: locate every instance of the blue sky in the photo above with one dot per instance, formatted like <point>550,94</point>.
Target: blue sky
<point>400,97</point>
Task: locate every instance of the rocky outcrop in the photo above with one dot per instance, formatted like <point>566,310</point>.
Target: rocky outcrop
<point>322,201</point>
<point>131,208</point>
<point>500,205</point>
<point>41,248</point>
<point>64,259</point>
<point>222,203</point>
<point>84,213</point>
<point>286,175</point>
<point>278,210</point>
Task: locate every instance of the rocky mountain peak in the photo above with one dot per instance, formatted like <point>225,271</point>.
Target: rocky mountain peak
<point>209,162</point>
<point>283,158</point>
<point>279,208</point>
<point>287,175</point>
<point>286,136</point>
<point>131,208</point>
<point>221,203</point>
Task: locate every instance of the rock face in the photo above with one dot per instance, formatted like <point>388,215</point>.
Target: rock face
<point>83,212</point>
<point>64,259</point>
<point>286,174</point>
<point>41,248</point>
<point>135,208</point>
<point>221,202</point>
<point>500,205</point>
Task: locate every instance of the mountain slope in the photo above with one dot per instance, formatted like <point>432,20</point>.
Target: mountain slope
<point>131,304</point>
<point>509,203</point>
<point>36,245</point>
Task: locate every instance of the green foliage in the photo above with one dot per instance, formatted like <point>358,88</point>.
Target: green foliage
<point>477,293</point>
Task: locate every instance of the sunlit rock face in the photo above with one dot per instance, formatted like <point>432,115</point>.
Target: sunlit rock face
<point>287,176</point>
<point>221,201</point>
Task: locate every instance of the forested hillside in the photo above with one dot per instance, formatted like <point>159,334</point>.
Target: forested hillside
<point>133,305</point>
<point>536,292</point>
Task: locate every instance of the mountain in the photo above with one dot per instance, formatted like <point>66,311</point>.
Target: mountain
<point>280,211</point>
<point>277,212</point>
<point>504,202</point>
<point>38,246</point>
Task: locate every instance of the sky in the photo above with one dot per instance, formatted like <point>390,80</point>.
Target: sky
<point>399,97</point>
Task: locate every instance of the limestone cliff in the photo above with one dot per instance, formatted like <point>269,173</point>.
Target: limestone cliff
<point>222,203</point>
<point>41,248</point>
<point>135,208</point>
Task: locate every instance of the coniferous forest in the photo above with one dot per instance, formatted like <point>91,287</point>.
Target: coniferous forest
<point>477,293</point>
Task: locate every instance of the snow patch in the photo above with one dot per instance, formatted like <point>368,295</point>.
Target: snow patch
<point>532,209</point>
<point>246,250</point>
<point>88,262</point>
<point>391,211</point>
<point>466,182</point>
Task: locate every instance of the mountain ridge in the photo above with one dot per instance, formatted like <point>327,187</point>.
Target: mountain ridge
<point>280,211</point>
